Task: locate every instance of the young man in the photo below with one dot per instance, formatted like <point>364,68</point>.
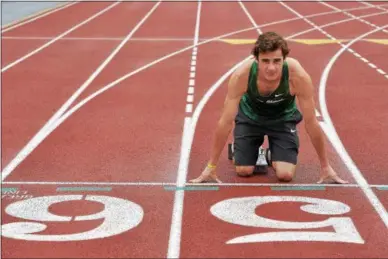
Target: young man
<point>261,101</point>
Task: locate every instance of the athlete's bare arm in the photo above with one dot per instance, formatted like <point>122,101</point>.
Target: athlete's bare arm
<point>304,91</point>
<point>236,88</point>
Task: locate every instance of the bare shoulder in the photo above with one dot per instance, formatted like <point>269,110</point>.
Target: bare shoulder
<point>239,78</point>
<point>299,78</point>
<point>295,68</point>
<point>243,70</point>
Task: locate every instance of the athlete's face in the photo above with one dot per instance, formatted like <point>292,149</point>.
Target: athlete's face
<point>270,65</point>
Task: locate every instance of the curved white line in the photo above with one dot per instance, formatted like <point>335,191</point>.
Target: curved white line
<point>187,140</point>
<point>176,225</point>
<point>45,131</point>
<point>210,92</point>
<point>189,135</point>
<point>335,140</point>
<point>114,83</point>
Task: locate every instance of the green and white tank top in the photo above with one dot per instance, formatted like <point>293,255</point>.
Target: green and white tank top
<point>277,107</point>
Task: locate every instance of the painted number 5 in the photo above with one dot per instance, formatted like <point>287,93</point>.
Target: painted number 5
<point>241,211</point>
<point>119,216</point>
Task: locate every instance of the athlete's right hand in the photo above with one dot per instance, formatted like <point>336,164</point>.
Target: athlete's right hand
<point>207,175</point>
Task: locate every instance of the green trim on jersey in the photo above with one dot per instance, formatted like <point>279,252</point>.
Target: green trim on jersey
<point>279,106</point>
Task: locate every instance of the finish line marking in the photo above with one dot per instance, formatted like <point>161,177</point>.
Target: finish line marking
<point>174,184</point>
<point>187,187</point>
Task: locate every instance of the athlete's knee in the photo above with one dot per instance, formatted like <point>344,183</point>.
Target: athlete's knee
<point>284,171</point>
<point>285,176</point>
<point>245,170</point>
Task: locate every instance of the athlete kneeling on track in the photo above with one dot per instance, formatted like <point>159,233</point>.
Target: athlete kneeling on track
<point>261,101</point>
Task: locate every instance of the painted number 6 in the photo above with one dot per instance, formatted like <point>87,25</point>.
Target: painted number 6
<point>119,216</point>
<point>241,211</point>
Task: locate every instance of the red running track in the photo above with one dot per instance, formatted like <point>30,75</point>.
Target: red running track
<point>126,143</point>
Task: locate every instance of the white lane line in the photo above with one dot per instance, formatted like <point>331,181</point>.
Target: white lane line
<point>122,38</point>
<point>153,184</point>
<point>91,183</point>
<point>250,17</point>
<point>372,65</point>
<point>363,21</point>
<point>335,23</point>
<point>38,138</point>
<point>364,60</point>
<point>189,108</point>
<point>29,147</point>
<point>327,34</point>
<point>188,135</point>
<point>35,17</point>
<point>260,32</point>
<point>188,184</point>
<point>329,126</point>
<point>177,211</point>
<point>183,39</point>
<point>56,38</point>
<point>94,38</point>
<point>335,140</point>
<point>373,6</point>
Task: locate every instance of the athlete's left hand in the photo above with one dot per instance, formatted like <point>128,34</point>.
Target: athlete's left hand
<point>328,172</point>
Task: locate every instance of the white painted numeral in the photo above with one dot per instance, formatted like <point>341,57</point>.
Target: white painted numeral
<point>119,216</point>
<point>241,211</point>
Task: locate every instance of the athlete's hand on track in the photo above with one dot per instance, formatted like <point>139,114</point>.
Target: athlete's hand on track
<point>329,173</point>
<point>208,175</point>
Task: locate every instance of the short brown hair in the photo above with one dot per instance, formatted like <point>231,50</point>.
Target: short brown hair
<point>268,42</point>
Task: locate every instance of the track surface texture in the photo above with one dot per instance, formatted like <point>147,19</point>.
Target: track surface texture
<point>109,108</point>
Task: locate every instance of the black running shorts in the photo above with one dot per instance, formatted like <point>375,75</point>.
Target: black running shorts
<point>249,136</point>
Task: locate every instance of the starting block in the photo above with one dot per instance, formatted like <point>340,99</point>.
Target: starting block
<point>263,159</point>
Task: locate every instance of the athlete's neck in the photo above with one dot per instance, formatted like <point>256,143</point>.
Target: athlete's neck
<point>265,86</point>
